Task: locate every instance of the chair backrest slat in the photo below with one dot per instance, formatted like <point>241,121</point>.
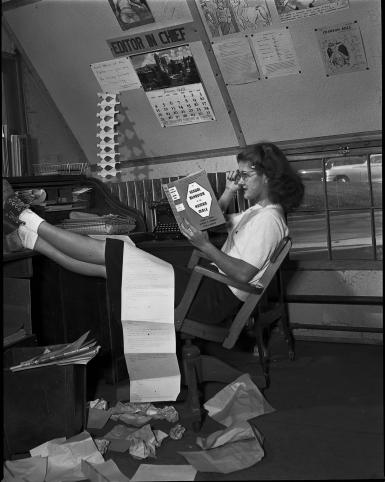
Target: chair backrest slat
<point>253,299</point>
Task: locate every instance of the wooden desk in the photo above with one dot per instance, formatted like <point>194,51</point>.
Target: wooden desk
<point>176,252</point>
<point>17,320</point>
<point>63,305</point>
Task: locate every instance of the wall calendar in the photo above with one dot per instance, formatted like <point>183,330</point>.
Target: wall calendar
<point>173,86</point>
<point>181,105</point>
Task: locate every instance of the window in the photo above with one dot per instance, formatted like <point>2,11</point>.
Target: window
<point>341,214</point>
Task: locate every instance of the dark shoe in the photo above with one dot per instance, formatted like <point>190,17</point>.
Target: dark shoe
<point>12,208</point>
<point>7,191</point>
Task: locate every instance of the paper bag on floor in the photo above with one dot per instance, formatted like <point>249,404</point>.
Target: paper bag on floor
<point>33,469</point>
<point>104,472</point>
<point>64,458</point>
<point>239,401</point>
<point>240,431</point>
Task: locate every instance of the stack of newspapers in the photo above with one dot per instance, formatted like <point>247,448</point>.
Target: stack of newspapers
<point>78,352</point>
<point>107,224</point>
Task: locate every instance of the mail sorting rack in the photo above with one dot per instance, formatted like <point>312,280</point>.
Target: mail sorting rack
<point>108,148</point>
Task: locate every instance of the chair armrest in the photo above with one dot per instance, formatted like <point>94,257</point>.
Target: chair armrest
<point>221,278</point>
<point>196,255</point>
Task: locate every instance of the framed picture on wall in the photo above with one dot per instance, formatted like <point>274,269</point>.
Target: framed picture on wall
<point>131,13</point>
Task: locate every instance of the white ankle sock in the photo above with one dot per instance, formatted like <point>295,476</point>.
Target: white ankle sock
<point>31,219</point>
<point>28,237</point>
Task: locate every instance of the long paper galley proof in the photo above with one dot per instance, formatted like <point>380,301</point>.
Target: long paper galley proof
<point>147,314</point>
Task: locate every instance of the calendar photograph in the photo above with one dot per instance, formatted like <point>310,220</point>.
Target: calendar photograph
<point>173,86</point>
<point>166,68</point>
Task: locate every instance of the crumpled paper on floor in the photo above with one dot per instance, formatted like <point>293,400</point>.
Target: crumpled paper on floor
<point>102,445</point>
<point>141,443</point>
<point>44,450</point>
<point>106,472</point>
<point>138,414</point>
<point>168,473</point>
<point>98,413</point>
<point>176,432</point>
<point>227,458</point>
<point>33,469</point>
<point>99,403</point>
<point>97,418</point>
<point>239,431</point>
<point>239,401</point>
<point>64,457</point>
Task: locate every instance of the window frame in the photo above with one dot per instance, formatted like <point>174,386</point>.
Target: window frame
<point>324,153</point>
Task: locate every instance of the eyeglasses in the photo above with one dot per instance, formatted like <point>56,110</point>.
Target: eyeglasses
<point>244,175</point>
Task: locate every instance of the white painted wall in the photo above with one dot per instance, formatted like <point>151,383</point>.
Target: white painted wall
<point>52,141</point>
<point>62,39</point>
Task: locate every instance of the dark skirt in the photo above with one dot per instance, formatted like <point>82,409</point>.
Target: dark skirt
<point>214,302</point>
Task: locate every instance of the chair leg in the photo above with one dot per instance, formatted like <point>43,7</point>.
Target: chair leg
<point>263,352</point>
<point>191,368</point>
<point>289,338</point>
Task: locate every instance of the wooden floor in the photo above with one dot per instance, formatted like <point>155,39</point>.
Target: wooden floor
<point>328,422</point>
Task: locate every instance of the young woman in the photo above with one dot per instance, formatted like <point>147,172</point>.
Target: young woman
<point>270,185</point>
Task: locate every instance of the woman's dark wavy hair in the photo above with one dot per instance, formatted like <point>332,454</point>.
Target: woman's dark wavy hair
<point>284,184</point>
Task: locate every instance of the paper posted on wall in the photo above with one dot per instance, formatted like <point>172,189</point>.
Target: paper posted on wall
<point>193,198</point>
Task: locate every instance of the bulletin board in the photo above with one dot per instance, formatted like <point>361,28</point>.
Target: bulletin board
<point>251,97</point>
<point>63,39</point>
<point>311,100</point>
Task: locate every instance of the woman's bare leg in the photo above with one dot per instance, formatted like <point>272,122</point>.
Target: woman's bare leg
<point>74,245</point>
<point>81,267</point>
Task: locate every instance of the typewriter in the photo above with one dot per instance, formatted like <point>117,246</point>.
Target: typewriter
<point>167,231</point>
<point>166,227</point>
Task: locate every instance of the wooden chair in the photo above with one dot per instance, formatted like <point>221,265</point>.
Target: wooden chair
<point>198,368</point>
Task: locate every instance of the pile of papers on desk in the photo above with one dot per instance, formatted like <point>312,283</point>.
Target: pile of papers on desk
<point>78,352</point>
<point>88,223</point>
